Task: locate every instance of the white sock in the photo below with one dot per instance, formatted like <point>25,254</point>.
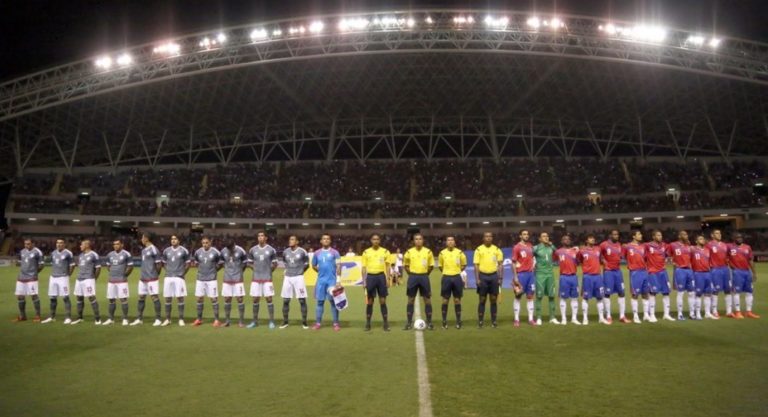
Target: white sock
<point>651,305</point>
<point>708,305</point>
<point>585,309</point>
<point>562,308</point>
<point>574,308</point>
<point>692,300</point>
<point>714,299</point>
<point>646,303</point>
<point>728,303</point>
<point>697,307</point>
<point>665,301</point>
<point>748,299</point>
<point>529,305</point>
<point>737,302</point>
<point>679,303</point>
<point>634,306</point>
<point>607,307</point>
<point>600,310</point>
<point>622,306</point>
<point>517,309</point>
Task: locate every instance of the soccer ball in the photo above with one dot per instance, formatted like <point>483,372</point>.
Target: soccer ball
<point>419,324</point>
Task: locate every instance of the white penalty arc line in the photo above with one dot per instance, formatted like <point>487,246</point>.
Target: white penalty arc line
<point>422,373</point>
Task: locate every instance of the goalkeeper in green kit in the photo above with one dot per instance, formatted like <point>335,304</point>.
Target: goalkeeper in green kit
<point>545,276</point>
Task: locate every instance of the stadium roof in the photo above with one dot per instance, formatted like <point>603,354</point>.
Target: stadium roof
<point>416,84</point>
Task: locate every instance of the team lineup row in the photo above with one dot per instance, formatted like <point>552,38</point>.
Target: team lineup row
<point>702,270</point>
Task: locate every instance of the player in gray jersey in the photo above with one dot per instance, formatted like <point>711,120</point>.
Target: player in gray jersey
<point>120,264</point>
<point>234,259</point>
<point>62,266</point>
<point>30,265</point>
<point>151,263</point>
<point>176,263</point>
<point>208,262</point>
<point>89,268</point>
<point>296,263</point>
<point>262,259</point>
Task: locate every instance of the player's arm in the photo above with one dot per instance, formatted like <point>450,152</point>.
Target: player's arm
<point>314,263</point>
<point>274,261</point>
<point>463,266</point>
<point>40,263</point>
<point>364,267</point>
<point>338,269</point>
<point>515,264</point>
<point>71,265</point>
<point>98,269</point>
<point>387,265</point>
<point>187,263</point>
<point>407,263</point>
<point>500,266</point>
<point>476,262</point>
<point>440,262</point>
<point>129,268</point>
<point>306,263</point>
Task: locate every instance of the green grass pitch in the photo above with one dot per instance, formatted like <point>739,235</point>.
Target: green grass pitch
<point>703,368</point>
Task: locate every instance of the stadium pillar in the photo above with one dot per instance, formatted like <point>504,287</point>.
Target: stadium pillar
<point>494,141</point>
<point>331,142</point>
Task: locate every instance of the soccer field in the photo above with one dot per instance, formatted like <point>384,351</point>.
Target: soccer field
<point>706,368</point>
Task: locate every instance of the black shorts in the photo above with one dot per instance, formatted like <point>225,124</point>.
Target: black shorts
<point>418,283</point>
<point>489,284</point>
<point>451,285</point>
<point>376,284</point>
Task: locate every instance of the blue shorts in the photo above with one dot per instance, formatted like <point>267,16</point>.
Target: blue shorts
<point>321,289</point>
<point>592,286</point>
<point>638,282</point>
<point>376,284</point>
<point>703,282</point>
<point>613,282</point>
<point>742,280</point>
<point>721,279</point>
<point>659,282</point>
<point>684,280</point>
<point>569,286</point>
<point>528,282</point>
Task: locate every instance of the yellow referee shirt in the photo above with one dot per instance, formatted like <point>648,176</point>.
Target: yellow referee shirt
<point>375,260</point>
<point>419,261</point>
<point>451,262</point>
<point>487,259</point>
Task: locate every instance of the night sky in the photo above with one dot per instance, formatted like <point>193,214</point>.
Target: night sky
<point>40,33</point>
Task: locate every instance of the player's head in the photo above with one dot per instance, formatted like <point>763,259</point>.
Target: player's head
<point>738,238</point>
<point>637,236</point>
<point>85,245</point>
<point>656,235</point>
<point>487,238</point>
<point>206,241</point>
<point>28,245</point>
<point>117,245</point>
<point>418,240</point>
<point>590,240</point>
<point>450,241</point>
<point>398,250</point>
<point>614,235</point>
<point>701,240</point>
<point>60,245</point>
<point>544,238</point>
<point>716,235</point>
<point>349,249</point>
<point>325,240</point>
<point>566,240</point>
<point>231,244</point>
<point>682,236</point>
<point>261,237</point>
<point>293,241</point>
<point>525,235</point>
<point>175,240</point>
<point>375,240</point>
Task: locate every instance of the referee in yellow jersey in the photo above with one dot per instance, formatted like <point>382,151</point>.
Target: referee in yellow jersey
<point>375,278</point>
<point>452,262</point>
<point>488,268</point>
<point>419,262</point>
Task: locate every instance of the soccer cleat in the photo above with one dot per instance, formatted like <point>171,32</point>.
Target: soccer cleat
<point>516,323</point>
<point>711,317</point>
<point>458,325</point>
<point>304,325</point>
<point>445,325</point>
<point>553,321</point>
<point>533,323</point>
<point>604,321</point>
<point>386,327</point>
<point>751,315</point>
<point>197,323</point>
<point>67,320</point>
<point>408,326</point>
<point>125,322</point>
<point>636,319</point>
<point>681,317</point>
<point>609,320</point>
<point>167,322</point>
<point>181,323</point>
<point>157,323</point>
<point>575,321</point>
<point>271,325</point>
<point>585,321</point>
<point>494,324</point>
<point>137,322</point>
<point>98,323</point>
<point>217,323</point>
<point>479,324</point>
<point>48,320</point>
<point>667,317</point>
<point>738,315</point>
<point>284,325</point>
<point>646,317</point>
<point>252,325</point>
<point>226,323</point>
<point>430,326</point>
<point>624,320</point>
<point>336,327</point>
<point>316,326</point>
<point>76,321</point>
<point>18,319</point>
<point>106,322</point>
<point>730,316</point>
<point>367,327</point>
<point>715,314</point>
<point>652,318</point>
<point>563,322</point>
<point>36,319</point>
<point>538,322</point>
